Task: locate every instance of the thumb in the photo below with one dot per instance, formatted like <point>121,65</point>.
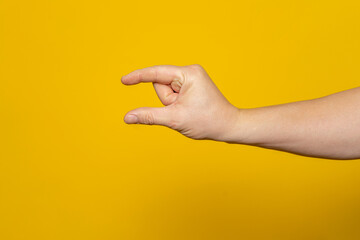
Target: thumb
<point>149,116</point>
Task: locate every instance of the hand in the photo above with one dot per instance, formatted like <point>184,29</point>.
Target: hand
<point>194,106</point>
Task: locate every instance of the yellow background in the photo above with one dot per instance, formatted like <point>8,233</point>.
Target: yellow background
<point>72,169</point>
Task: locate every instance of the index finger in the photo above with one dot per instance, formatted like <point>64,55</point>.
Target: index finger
<point>163,74</point>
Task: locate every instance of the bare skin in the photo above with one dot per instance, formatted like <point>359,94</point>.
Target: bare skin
<point>326,127</point>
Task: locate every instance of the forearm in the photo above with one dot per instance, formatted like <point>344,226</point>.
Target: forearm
<point>327,127</point>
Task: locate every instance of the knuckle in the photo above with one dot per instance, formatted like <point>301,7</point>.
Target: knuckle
<point>175,120</point>
<point>196,67</point>
<point>155,75</point>
<point>140,76</point>
<point>152,71</point>
<point>174,124</point>
<point>148,118</point>
<point>196,70</point>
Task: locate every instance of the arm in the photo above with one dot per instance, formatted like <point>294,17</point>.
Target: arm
<point>327,127</point>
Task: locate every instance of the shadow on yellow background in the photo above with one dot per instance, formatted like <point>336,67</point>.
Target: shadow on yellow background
<point>71,168</point>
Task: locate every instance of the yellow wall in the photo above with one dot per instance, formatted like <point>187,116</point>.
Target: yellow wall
<point>71,168</point>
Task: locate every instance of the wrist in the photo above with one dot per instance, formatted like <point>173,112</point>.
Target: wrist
<point>235,131</point>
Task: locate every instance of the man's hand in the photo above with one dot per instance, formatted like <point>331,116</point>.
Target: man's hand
<point>194,106</point>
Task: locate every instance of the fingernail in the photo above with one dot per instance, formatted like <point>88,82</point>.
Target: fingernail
<point>131,119</point>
